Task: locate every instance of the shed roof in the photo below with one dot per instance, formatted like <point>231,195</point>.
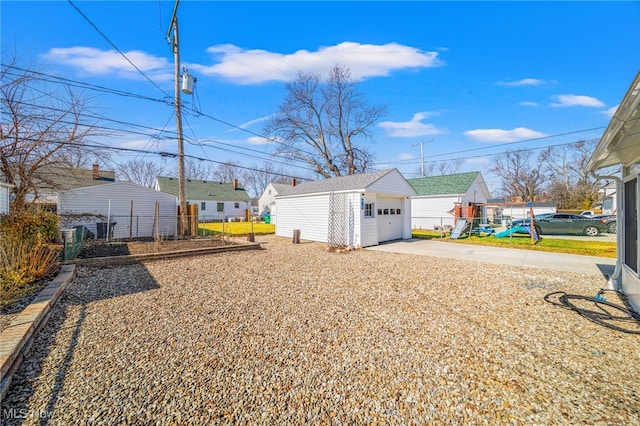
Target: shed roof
<point>205,190</point>
<point>340,183</point>
<point>457,183</point>
<point>56,179</point>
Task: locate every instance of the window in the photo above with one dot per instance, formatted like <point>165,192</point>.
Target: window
<point>220,207</point>
<point>203,206</point>
<point>236,206</point>
<point>392,211</point>
<point>386,211</point>
<point>368,209</point>
<point>379,212</point>
<point>397,211</point>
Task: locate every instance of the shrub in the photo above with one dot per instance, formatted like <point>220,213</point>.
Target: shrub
<point>34,226</point>
<point>25,253</point>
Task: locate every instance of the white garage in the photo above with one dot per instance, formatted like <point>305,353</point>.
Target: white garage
<point>360,210</point>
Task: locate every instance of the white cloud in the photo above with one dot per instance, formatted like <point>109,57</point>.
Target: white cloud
<point>413,128</point>
<point>576,100</point>
<point>527,103</point>
<point>500,135</point>
<point>523,82</point>
<point>253,66</point>
<point>259,140</point>
<point>611,111</point>
<point>405,156</point>
<point>110,62</point>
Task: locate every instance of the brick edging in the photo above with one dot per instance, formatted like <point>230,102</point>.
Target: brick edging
<point>16,340</point>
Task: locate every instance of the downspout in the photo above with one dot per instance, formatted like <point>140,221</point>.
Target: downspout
<point>614,283</point>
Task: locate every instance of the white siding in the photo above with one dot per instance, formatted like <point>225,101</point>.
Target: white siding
<point>369,228</point>
<point>267,200</point>
<point>427,212</point>
<point>4,198</point>
<point>308,213</point>
<point>392,183</point>
<point>230,211</point>
<point>116,200</point>
<point>475,194</point>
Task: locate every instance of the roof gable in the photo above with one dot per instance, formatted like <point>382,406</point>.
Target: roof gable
<point>204,189</point>
<point>457,183</point>
<point>56,179</point>
<point>359,182</point>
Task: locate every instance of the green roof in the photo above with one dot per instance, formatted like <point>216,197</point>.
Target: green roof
<point>441,185</point>
<point>204,190</point>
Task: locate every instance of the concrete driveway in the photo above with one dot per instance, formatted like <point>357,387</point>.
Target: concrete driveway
<point>502,256</point>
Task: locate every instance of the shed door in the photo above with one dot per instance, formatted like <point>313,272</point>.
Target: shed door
<point>389,219</point>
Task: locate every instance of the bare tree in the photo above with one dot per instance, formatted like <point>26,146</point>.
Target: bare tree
<point>320,123</point>
<point>44,125</point>
<point>442,168</point>
<point>197,170</point>
<point>520,178</point>
<point>140,172</point>
<point>226,172</point>
<point>570,182</point>
<point>257,180</point>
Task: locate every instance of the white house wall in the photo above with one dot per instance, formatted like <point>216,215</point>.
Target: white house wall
<point>4,199</point>
<point>428,212</point>
<point>210,212</point>
<point>138,222</point>
<point>475,194</point>
<point>392,184</point>
<point>368,227</point>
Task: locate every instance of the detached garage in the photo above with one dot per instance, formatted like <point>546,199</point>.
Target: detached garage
<point>360,210</point>
<point>129,208</point>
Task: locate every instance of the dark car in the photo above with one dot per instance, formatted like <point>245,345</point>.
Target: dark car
<point>610,222</point>
<point>567,223</point>
<point>527,221</point>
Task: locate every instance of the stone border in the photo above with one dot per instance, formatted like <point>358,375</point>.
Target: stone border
<point>103,262</point>
<point>16,340</point>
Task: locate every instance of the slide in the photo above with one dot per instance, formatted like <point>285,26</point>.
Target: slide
<point>514,230</point>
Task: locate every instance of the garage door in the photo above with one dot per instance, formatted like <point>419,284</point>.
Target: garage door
<point>389,219</point>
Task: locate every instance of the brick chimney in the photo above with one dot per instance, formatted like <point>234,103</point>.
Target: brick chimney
<point>293,181</point>
<point>96,171</point>
<point>235,183</point>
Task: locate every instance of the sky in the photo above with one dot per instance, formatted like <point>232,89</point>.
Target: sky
<point>460,80</point>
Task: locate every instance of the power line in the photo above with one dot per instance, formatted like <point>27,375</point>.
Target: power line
<point>116,48</point>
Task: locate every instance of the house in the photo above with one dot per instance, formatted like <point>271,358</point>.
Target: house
<point>267,202</point>
<point>619,146</point>
<point>129,208</point>
<point>5,191</point>
<point>216,201</point>
<point>357,210</point>
<point>51,180</point>
<point>441,199</point>
<point>503,211</point>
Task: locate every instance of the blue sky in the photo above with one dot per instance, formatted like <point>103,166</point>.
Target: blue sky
<point>471,79</point>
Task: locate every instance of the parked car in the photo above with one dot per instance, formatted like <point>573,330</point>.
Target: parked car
<point>527,221</point>
<point>568,223</point>
<point>588,213</point>
<point>610,222</point>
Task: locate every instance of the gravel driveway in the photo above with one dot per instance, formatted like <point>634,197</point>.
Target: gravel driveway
<point>294,334</point>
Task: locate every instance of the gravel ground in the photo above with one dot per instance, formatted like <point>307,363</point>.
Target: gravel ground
<point>294,334</point>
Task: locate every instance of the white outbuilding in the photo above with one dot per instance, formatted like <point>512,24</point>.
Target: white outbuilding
<point>5,191</point>
<point>358,210</point>
<point>133,211</point>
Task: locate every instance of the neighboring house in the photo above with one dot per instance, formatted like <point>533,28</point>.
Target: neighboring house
<point>608,197</point>
<point>438,196</point>
<point>130,208</point>
<point>5,191</point>
<point>358,210</point>
<point>620,146</point>
<point>216,201</point>
<point>51,180</point>
<point>267,202</point>
<point>507,211</point>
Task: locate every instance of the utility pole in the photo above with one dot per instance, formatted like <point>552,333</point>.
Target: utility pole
<point>175,47</point>
<point>422,155</point>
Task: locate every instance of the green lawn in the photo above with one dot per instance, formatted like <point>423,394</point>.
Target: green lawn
<point>239,228</point>
<point>589,248</point>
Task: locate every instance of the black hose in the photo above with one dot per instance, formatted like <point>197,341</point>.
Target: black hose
<point>600,315</point>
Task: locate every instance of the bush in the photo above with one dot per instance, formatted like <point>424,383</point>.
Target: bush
<point>34,226</point>
<point>25,253</point>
